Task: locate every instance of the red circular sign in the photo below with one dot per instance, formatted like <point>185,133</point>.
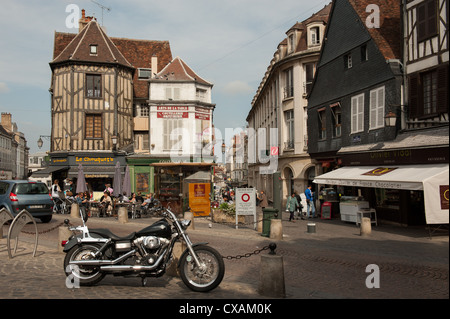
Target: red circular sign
<point>245,197</point>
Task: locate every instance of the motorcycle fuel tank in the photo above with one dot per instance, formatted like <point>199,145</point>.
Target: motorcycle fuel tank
<point>159,229</point>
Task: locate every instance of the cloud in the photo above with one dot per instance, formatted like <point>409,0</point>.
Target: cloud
<point>237,88</point>
<point>4,88</point>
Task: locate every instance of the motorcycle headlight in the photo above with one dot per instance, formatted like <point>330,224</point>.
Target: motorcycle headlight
<point>185,223</point>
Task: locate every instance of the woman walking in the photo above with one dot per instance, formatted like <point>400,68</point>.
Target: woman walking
<point>292,204</point>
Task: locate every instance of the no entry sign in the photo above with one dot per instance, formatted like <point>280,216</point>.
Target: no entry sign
<point>245,202</point>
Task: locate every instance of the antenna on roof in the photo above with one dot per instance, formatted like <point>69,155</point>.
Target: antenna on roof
<point>102,7</point>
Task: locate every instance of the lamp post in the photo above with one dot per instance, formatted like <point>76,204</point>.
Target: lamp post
<point>114,142</point>
<point>40,142</point>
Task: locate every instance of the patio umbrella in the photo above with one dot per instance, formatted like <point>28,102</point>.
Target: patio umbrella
<point>117,186</point>
<point>126,186</point>
<point>81,181</point>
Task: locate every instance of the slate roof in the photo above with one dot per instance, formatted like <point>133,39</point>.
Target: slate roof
<point>178,70</point>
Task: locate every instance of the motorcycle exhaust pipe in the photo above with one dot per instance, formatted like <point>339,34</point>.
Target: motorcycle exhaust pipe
<point>98,262</point>
<point>134,268</point>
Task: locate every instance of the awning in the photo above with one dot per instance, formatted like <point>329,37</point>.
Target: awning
<point>432,179</point>
<point>48,170</point>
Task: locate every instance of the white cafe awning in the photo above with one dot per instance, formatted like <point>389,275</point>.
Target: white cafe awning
<point>432,179</point>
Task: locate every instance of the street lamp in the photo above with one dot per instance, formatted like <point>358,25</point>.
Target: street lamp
<point>114,141</point>
<point>40,142</point>
<point>390,120</point>
<point>223,148</point>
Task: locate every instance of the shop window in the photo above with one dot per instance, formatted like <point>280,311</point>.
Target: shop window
<point>142,183</point>
<point>388,198</point>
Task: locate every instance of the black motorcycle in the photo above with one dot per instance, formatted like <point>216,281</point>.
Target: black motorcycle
<point>92,254</point>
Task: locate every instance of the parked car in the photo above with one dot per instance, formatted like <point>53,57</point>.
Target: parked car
<point>16,195</point>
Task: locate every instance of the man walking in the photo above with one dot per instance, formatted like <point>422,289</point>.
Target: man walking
<point>310,207</point>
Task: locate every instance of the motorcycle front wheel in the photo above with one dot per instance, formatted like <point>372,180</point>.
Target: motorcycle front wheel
<point>206,277</point>
<point>84,275</point>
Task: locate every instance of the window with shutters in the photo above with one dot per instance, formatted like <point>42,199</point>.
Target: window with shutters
<point>171,134</point>
<point>377,108</point>
<point>428,93</point>
<point>322,123</point>
<point>427,20</point>
<point>93,127</point>
<point>357,114</point>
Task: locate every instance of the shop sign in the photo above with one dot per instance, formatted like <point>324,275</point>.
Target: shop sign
<point>444,194</point>
<point>172,115</point>
<point>94,160</point>
<point>380,171</point>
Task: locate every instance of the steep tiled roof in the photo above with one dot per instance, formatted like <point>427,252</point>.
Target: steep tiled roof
<point>178,70</point>
<point>388,36</point>
<point>137,53</point>
<point>79,48</point>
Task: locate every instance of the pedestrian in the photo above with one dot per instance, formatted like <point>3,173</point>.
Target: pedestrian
<point>310,207</point>
<point>322,194</point>
<point>263,200</point>
<point>291,206</point>
<point>299,207</point>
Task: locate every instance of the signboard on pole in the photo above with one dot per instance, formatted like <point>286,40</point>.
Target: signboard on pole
<point>245,203</point>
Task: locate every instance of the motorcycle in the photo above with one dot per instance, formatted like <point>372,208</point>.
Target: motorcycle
<point>91,254</point>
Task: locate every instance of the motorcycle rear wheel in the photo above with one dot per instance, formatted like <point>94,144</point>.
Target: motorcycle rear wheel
<point>207,277</point>
<point>85,276</point>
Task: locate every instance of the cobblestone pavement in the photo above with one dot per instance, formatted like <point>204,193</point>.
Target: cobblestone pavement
<point>330,263</point>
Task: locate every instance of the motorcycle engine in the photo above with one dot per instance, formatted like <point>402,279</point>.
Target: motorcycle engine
<point>151,243</point>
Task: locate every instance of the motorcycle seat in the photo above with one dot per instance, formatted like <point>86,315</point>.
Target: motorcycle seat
<point>106,233</point>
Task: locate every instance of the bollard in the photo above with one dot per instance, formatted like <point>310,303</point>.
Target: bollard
<point>190,216</point>
<point>259,217</point>
<point>272,276</point>
<point>75,211</point>
<point>178,250</point>
<point>63,234</point>
<point>366,226</point>
<point>122,215</point>
<point>311,228</point>
<point>276,229</point>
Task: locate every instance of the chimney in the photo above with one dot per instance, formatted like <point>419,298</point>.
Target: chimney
<point>83,21</point>
<point>6,121</point>
<point>154,65</point>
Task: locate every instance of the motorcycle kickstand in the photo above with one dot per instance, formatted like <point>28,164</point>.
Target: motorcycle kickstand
<point>144,281</point>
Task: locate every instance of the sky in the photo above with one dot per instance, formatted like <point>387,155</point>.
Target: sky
<point>228,43</point>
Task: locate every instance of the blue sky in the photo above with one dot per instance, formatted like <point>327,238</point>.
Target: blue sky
<point>229,43</point>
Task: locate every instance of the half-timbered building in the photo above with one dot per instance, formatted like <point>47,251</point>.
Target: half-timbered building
<point>98,84</point>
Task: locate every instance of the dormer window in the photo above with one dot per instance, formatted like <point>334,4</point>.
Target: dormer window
<point>315,35</point>
<point>93,49</point>
<point>144,73</point>
<point>291,43</point>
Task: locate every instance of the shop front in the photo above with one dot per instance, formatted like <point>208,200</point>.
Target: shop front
<point>98,168</point>
<point>412,190</point>
<point>181,185</point>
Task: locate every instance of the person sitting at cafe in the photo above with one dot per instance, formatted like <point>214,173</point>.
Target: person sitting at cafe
<point>106,204</point>
<point>148,202</point>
